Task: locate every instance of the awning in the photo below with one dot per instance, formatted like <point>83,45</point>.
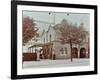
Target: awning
<point>40,45</point>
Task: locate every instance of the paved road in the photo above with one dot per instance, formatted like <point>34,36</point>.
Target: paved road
<point>55,63</point>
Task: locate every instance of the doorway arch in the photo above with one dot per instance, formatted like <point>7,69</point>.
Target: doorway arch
<point>82,53</point>
<point>74,52</point>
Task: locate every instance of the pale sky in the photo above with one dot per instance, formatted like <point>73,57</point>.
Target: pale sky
<point>44,19</point>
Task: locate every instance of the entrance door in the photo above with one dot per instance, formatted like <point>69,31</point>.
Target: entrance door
<point>75,52</point>
<point>46,52</point>
<point>51,53</point>
<point>82,53</point>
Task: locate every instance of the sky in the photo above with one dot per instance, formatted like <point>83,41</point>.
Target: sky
<point>44,19</point>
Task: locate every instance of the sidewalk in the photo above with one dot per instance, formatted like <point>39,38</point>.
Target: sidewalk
<point>44,63</point>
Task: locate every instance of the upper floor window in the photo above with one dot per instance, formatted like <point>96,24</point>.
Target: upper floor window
<point>44,40</point>
<point>46,37</point>
<point>50,37</point>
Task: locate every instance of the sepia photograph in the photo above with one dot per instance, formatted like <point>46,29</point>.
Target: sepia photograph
<point>55,39</point>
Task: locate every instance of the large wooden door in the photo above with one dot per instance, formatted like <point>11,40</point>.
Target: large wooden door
<point>75,52</point>
<point>45,52</point>
<point>82,53</point>
<point>50,53</point>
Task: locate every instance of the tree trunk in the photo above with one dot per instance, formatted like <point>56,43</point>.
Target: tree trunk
<point>71,51</point>
<point>79,51</point>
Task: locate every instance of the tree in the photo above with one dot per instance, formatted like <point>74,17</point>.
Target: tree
<point>29,29</point>
<point>71,33</point>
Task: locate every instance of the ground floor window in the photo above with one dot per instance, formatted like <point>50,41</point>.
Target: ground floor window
<point>63,50</point>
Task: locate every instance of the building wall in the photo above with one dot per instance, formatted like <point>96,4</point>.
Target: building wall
<point>57,47</point>
<point>51,33</point>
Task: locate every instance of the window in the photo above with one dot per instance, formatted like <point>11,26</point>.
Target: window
<point>62,51</point>
<point>44,40</point>
<point>65,50</point>
<point>47,37</point>
<point>50,37</point>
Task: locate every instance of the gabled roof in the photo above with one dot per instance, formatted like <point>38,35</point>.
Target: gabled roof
<point>49,28</point>
<point>43,32</point>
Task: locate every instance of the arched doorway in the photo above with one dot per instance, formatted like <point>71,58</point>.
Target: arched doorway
<point>75,52</point>
<point>82,53</point>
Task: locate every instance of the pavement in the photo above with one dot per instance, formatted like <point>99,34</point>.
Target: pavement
<point>46,63</point>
